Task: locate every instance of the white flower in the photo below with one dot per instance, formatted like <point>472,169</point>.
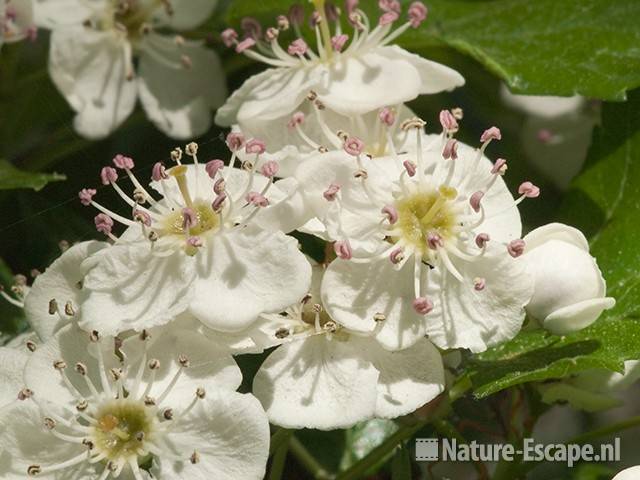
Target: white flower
<point>556,134</point>
<point>94,407</point>
<point>569,289</point>
<point>16,21</point>
<point>632,473</point>
<point>197,250</point>
<point>444,230</point>
<point>326,376</point>
<point>93,49</point>
<point>349,76</point>
<point>12,362</point>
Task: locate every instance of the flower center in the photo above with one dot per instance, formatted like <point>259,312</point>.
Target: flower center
<point>206,220</point>
<point>122,426</point>
<point>424,214</point>
<point>131,15</point>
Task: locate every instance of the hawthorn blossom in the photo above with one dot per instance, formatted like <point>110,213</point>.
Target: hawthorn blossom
<point>326,376</point>
<point>96,46</point>
<point>430,241</point>
<point>16,21</point>
<point>351,73</point>
<point>158,405</point>
<point>196,250</point>
<point>569,292</point>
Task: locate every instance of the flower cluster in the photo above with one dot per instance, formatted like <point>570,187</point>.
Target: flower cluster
<point>130,365</point>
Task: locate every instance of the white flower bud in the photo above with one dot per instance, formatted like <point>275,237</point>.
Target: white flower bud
<point>569,292</point>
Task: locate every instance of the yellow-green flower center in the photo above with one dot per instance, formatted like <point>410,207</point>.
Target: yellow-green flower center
<point>207,220</point>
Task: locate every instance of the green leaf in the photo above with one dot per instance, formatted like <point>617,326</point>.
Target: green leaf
<point>554,47</point>
<point>603,202</point>
<point>12,178</point>
<point>401,464</point>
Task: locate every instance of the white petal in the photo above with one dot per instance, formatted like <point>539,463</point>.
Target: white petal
<point>131,288</point>
<point>577,316</point>
<point>353,293</point>
<point>317,383</point>
<point>466,318</point>
<point>382,77</point>
<point>62,282</point>
<point>556,231</point>
<point>180,100</point>
<point>547,107</point>
<point>89,69</point>
<point>244,273</point>
<point>230,433</point>
<point>632,473</point>
<point>186,14</point>
<point>408,378</point>
<point>211,367</point>
<point>12,362</point>
<point>287,208</point>
<point>18,28</point>
<point>64,13</point>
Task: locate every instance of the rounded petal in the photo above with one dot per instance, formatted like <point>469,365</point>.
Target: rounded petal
<point>384,76</point>
<point>230,433</point>
<point>210,365</point>
<point>409,378</point>
<point>577,316</point>
<point>555,231</point>
<point>628,474</point>
<point>287,210</point>
<point>179,99</point>
<point>352,293</point>
<point>129,287</point>
<point>64,13</point>
<point>186,14</point>
<point>547,107</point>
<point>61,281</point>
<point>465,318</point>
<point>242,274</point>
<point>576,397</point>
<point>317,383</point>
<point>89,69</point>
<point>12,362</point>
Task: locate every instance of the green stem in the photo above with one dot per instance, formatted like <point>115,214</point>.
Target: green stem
<point>308,461</point>
<point>279,438</point>
<point>279,457</point>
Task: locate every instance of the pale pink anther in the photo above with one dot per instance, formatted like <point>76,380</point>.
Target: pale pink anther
<point>343,249</point>
<point>255,146</point>
<point>482,239</point>
<point>229,37</point>
<point>448,121</point>
<point>11,13</point>
<point>479,284</point>
<point>353,146</point>
<point>297,47</point>
<point>516,247</point>
<point>315,19</point>
<point>475,199</point>
<point>388,18</point>
<point>389,6</point>
<point>251,27</point>
<point>422,305</point>
<point>387,116</point>
<point>396,255</point>
<point>331,192</point>
<point>434,241</point>
<point>218,202</point>
<point>500,167</point>
<point>212,167</point>
<point>332,12</point>
<point>219,186</point>
<point>296,14</point>
<point>142,217</point>
<point>108,175</point>
<point>245,44</point>
<point>544,135</point>
<point>271,34</point>
<point>450,149</point>
<point>339,41</point>
<point>492,133</point>
<point>283,22</point>
<point>417,14</point>
<point>296,119</point>
<point>410,167</point>
<point>86,196</point>
<point>194,241</point>
<point>158,172</point>
<point>189,218</point>
<point>103,223</point>
<point>529,190</point>
<point>123,162</point>
<point>270,169</point>
<point>235,141</point>
<point>256,199</point>
<point>391,213</point>
<point>351,6</point>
